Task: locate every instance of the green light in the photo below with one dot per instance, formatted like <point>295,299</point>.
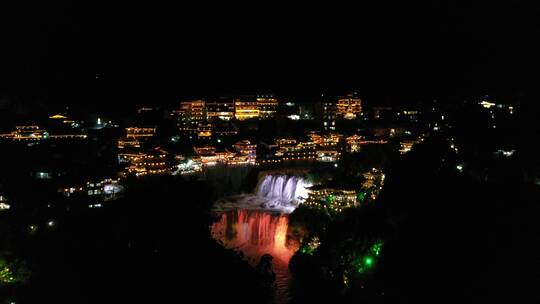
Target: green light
<point>368,261</point>
<point>6,275</point>
<point>330,198</point>
<point>12,274</point>
<point>376,248</point>
<point>306,250</point>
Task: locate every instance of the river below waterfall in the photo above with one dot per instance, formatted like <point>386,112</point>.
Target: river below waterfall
<point>257,224</point>
<point>256,233</point>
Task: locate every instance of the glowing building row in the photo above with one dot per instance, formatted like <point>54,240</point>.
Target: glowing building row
<point>193,112</point>
<point>406,145</point>
<point>290,149</point>
<point>331,199</point>
<point>245,153</point>
<point>346,107</point>
<point>35,133</point>
<point>373,182</point>
<point>325,140</point>
<point>255,107</point>
<point>142,163</point>
<point>107,188</point>
<point>139,132</point>
<point>349,106</point>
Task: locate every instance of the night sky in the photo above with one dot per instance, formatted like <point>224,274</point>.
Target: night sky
<point>154,54</point>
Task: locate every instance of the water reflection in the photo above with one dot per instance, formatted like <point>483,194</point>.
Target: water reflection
<point>255,233</point>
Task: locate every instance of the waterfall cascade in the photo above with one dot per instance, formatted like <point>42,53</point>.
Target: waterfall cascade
<point>274,192</point>
<point>255,233</point>
<point>257,224</point>
<point>286,188</point>
<point>281,191</point>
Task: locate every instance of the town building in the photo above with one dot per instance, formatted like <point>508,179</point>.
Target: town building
<point>333,199</point>
<point>140,132</point>
<point>220,109</point>
<point>354,143</point>
<point>190,114</point>
<point>267,105</point>
<point>329,115</point>
<point>247,149</point>
<point>328,155</point>
<point>244,153</point>
<point>406,145</point>
<point>349,106</point>
<point>153,162</point>
<point>204,130</point>
<point>246,108</point>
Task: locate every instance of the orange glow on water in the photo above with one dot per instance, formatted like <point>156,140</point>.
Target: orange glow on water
<point>255,233</point>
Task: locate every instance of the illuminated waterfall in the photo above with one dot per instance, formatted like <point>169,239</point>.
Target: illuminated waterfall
<point>274,192</point>
<point>254,233</point>
<point>281,192</point>
<point>257,224</point>
<point>282,187</point>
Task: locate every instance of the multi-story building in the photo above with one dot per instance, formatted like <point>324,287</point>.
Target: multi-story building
<point>27,133</point>
<point>185,125</point>
<point>332,199</point>
<point>204,130</point>
<point>373,182</point>
<point>349,106</point>
<point>212,157</point>
<point>100,189</point>
<point>325,140</point>
<point>190,114</point>
<point>291,150</point>
<point>327,155</point>
<point>329,115</point>
<point>267,105</point>
<point>246,108</point>
<point>140,133</point>
<point>206,150</point>
<point>354,143</point>
<point>129,156</point>
<point>209,156</point>
<point>187,166</point>
<point>153,162</point>
<point>406,145</point>
<point>128,143</point>
<point>107,186</point>
<point>35,133</point>
<point>195,109</point>
<point>246,148</point>
<point>221,108</point>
